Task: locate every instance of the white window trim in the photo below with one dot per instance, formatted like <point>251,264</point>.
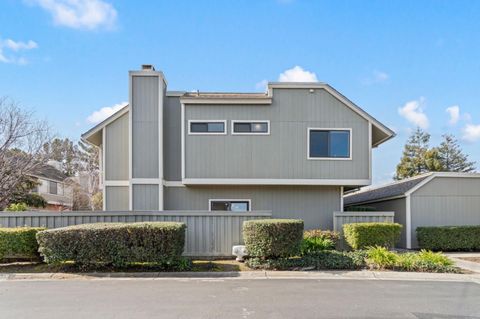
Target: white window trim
<point>251,121</point>
<point>328,158</point>
<point>229,200</point>
<point>207,133</point>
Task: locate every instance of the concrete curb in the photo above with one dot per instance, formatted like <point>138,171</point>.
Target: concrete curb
<point>247,275</point>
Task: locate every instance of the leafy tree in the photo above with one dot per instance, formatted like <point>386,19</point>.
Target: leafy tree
<point>416,158</point>
<point>451,156</point>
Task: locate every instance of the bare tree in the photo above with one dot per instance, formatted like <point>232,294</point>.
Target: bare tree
<point>21,143</point>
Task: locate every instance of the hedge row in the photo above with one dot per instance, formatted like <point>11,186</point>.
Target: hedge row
<point>19,243</point>
<point>364,235</point>
<point>449,238</point>
<point>273,238</point>
<point>115,244</point>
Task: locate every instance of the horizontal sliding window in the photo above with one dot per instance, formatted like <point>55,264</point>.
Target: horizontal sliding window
<point>251,127</point>
<point>230,205</point>
<point>329,144</point>
<point>207,127</point>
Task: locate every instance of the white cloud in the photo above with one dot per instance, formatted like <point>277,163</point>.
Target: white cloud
<point>104,112</point>
<point>471,132</point>
<point>297,74</point>
<point>413,112</point>
<point>80,14</point>
<point>376,77</point>
<point>454,113</point>
<point>15,46</point>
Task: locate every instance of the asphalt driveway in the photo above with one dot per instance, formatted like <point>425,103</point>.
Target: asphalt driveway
<point>249,298</point>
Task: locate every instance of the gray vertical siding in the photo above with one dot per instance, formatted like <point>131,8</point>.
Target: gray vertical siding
<point>172,139</point>
<point>116,149</point>
<point>398,206</point>
<point>145,197</point>
<point>314,204</point>
<point>446,201</point>
<point>144,109</point>
<point>116,198</point>
<point>283,153</point>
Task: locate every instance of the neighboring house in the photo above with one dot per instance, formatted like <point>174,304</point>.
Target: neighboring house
<point>53,187</point>
<point>291,150</point>
<point>433,199</point>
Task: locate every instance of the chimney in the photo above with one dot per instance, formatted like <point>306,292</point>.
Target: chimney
<point>148,67</point>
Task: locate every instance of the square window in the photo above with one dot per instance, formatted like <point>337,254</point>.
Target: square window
<point>329,143</point>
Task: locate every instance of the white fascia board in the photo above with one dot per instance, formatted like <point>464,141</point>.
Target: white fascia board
<point>105,122</point>
<point>273,181</point>
<point>226,101</point>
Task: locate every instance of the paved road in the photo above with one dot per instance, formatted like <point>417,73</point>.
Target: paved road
<point>223,298</point>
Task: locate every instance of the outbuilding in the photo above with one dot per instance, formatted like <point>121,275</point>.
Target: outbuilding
<point>432,199</point>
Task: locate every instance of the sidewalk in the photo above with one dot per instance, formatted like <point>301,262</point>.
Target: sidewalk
<point>465,264</point>
<point>249,275</point>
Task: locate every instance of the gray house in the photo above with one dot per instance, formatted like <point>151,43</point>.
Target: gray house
<point>433,199</point>
<point>291,150</point>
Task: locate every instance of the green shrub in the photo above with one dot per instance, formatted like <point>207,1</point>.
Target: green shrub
<point>318,240</point>
<point>273,238</point>
<point>115,244</point>
<point>449,238</point>
<point>325,260</point>
<point>364,235</point>
<point>381,257</point>
<point>17,207</point>
<point>19,242</point>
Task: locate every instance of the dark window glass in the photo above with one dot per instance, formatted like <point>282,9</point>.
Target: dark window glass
<point>233,206</point>
<point>206,127</point>
<point>333,144</point>
<point>253,127</point>
<point>53,188</point>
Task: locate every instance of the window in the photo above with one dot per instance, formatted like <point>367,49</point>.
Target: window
<point>52,188</point>
<point>207,127</point>
<point>250,127</point>
<point>329,143</point>
<point>233,205</point>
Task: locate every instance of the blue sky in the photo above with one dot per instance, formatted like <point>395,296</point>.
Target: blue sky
<point>404,62</point>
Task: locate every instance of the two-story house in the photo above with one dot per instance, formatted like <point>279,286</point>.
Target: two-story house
<point>292,150</point>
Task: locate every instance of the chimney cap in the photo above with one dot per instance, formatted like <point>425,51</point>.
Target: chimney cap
<point>148,67</point>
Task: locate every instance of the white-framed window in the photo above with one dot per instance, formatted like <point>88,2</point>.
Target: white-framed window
<point>233,205</point>
<point>329,143</point>
<point>250,127</point>
<point>207,127</point>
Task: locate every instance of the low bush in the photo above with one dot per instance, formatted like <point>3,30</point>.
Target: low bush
<point>318,240</point>
<point>16,207</point>
<point>449,238</point>
<point>424,261</point>
<point>364,235</point>
<point>325,260</point>
<point>273,238</point>
<point>115,244</point>
<point>19,243</point>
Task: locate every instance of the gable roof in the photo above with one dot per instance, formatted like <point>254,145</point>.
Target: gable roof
<point>48,172</point>
<point>398,189</point>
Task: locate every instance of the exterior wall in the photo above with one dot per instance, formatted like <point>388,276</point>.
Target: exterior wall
<point>116,149</point>
<point>314,204</point>
<point>116,198</point>
<point>398,206</point>
<point>145,132</point>
<point>145,197</point>
<point>63,199</point>
<point>283,153</point>
<point>172,139</point>
<point>446,201</point>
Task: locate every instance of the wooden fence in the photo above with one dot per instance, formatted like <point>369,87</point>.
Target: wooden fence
<point>208,233</point>
<point>341,218</point>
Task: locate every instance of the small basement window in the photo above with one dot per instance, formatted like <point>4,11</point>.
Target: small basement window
<point>329,143</point>
<point>250,127</point>
<point>233,205</point>
<point>207,127</point>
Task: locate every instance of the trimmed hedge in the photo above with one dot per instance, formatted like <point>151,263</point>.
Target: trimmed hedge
<point>273,238</point>
<point>364,235</point>
<point>449,238</point>
<point>19,242</point>
<point>115,244</point>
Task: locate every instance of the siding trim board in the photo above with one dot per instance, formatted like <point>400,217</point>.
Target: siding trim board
<point>268,181</point>
<point>104,192</point>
